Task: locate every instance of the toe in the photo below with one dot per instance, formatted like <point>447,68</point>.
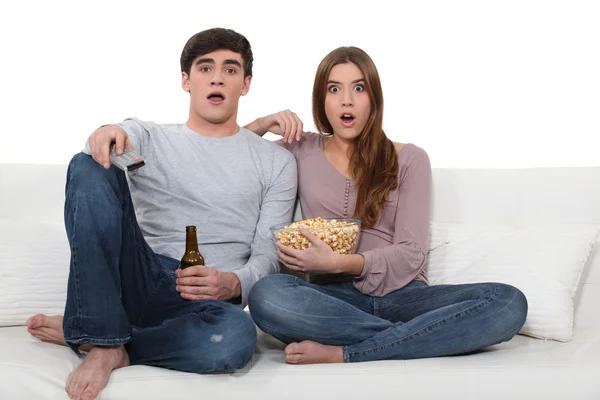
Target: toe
<point>75,386</point>
<point>79,387</point>
<point>47,331</point>
<point>293,358</point>
<point>89,393</point>
<point>36,334</point>
<point>42,320</point>
<point>33,322</point>
<point>291,348</point>
<point>68,386</point>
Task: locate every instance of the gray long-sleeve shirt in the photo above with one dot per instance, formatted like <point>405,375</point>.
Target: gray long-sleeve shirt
<point>233,189</point>
<point>395,249</point>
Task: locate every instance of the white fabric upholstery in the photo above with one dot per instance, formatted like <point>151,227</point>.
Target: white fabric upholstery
<point>34,260</point>
<point>524,368</point>
<point>545,262</point>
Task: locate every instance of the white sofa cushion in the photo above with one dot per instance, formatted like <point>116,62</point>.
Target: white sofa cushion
<point>34,267</point>
<point>546,262</point>
<point>523,368</point>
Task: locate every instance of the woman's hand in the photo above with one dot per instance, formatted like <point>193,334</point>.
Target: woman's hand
<point>284,123</point>
<point>319,257</point>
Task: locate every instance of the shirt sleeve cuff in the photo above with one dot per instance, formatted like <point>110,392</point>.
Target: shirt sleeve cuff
<point>246,284</point>
<point>368,256</point>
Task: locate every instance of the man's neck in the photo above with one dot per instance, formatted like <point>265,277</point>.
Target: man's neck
<point>210,129</point>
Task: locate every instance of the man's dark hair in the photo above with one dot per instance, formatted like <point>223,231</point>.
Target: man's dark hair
<point>216,39</point>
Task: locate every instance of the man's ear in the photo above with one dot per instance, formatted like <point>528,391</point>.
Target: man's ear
<point>185,82</point>
<point>246,87</point>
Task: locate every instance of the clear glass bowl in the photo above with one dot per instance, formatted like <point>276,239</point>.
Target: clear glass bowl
<point>341,235</point>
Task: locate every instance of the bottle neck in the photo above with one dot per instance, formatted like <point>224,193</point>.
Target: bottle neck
<point>191,240</point>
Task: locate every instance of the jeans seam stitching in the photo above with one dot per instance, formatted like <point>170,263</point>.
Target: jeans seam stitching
<point>158,285</point>
<point>381,347</point>
<point>133,224</point>
<point>74,252</point>
<point>92,340</point>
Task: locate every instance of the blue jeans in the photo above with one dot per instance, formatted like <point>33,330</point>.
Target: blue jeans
<point>416,321</point>
<point>121,292</point>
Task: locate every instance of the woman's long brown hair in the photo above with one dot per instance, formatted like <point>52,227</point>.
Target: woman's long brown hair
<point>374,161</point>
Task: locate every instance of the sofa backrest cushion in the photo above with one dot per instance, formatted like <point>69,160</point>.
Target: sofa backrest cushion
<point>32,195</point>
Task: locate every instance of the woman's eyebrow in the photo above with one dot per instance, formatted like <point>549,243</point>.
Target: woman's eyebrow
<point>355,81</point>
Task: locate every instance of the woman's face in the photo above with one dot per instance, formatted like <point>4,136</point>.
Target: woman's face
<point>347,103</point>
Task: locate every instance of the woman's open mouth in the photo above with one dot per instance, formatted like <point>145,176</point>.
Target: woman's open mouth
<point>348,120</point>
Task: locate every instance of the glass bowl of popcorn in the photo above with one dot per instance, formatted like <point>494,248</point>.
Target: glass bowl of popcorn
<point>340,234</point>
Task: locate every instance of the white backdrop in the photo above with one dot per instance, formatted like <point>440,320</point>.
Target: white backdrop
<point>475,83</point>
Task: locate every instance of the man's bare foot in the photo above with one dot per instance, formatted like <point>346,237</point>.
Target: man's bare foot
<point>47,329</point>
<point>86,382</point>
<point>309,352</point>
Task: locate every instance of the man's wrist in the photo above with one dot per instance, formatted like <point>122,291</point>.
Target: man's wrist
<point>234,284</point>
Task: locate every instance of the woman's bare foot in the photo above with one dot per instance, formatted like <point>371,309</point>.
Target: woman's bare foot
<point>86,382</point>
<point>309,352</point>
<point>47,329</point>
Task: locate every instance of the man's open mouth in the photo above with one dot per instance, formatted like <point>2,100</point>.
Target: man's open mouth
<point>216,97</point>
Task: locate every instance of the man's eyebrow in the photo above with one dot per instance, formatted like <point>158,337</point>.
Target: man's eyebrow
<point>339,83</point>
<point>205,61</point>
<point>231,61</point>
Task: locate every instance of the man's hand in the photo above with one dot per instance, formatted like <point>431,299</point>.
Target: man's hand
<point>319,257</point>
<point>284,123</point>
<point>101,139</point>
<point>205,283</point>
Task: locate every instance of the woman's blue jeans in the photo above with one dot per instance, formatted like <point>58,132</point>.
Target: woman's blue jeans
<point>416,321</point>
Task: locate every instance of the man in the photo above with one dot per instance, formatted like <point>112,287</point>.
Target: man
<point>126,300</point>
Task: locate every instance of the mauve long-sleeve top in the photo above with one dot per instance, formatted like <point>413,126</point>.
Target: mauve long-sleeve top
<point>395,249</point>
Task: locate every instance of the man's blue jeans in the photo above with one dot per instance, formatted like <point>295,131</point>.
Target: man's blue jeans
<point>416,321</point>
<point>121,292</point>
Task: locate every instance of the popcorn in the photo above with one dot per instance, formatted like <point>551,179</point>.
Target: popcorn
<point>340,235</point>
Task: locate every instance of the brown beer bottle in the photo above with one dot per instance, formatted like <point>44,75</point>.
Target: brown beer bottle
<point>192,255</point>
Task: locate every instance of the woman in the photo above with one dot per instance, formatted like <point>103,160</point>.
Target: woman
<point>388,310</point>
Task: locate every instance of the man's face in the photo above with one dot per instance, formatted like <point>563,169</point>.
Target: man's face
<point>216,82</point>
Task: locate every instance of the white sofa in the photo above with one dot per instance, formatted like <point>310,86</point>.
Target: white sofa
<point>524,368</point>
